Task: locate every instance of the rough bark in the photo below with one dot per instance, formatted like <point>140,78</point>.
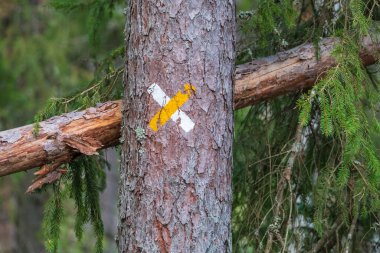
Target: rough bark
<point>256,81</point>
<point>175,193</point>
<point>60,139</point>
<point>289,71</point>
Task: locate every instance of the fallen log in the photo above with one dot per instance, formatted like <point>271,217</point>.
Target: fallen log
<point>64,137</point>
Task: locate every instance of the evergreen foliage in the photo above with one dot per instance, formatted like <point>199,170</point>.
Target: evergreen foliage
<point>98,13</point>
<point>346,102</point>
<point>83,182</point>
<point>86,176</point>
<point>336,174</point>
<point>266,28</point>
<point>53,217</point>
<point>335,178</point>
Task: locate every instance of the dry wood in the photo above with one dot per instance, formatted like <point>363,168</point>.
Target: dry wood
<point>66,136</point>
<point>327,236</point>
<point>60,139</point>
<point>289,71</point>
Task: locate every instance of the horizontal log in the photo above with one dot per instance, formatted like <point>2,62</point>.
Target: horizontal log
<point>289,71</point>
<point>64,137</point>
<point>60,138</point>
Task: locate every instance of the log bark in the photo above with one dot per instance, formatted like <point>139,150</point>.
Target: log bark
<point>175,191</point>
<point>290,71</point>
<point>60,139</point>
<point>256,81</point>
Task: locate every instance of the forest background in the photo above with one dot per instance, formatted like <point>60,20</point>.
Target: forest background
<point>63,55</point>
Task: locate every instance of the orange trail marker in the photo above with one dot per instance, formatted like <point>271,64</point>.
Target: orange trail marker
<point>171,107</point>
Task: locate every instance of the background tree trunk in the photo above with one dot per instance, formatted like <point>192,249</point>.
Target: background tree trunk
<point>175,193</point>
<point>20,217</point>
<point>109,200</point>
<point>8,229</point>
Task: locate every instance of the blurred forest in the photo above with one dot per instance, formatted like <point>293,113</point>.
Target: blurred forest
<point>46,53</point>
<point>62,55</point>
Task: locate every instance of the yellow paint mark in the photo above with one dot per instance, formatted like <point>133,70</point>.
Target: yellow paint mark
<point>171,107</point>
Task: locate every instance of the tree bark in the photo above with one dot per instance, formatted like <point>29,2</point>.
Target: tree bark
<point>256,81</point>
<point>60,139</point>
<point>175,193</point>
<point>289,71</point>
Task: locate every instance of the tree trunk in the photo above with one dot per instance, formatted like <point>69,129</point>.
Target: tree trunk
<point>175,193</point>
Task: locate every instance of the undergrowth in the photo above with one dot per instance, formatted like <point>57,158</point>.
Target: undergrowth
<point>85,178</point>
<point>335,179</point>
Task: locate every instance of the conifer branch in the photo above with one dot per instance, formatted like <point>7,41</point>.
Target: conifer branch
<point>327,236</point>
<point>290,71</point>
<point>98,127</point>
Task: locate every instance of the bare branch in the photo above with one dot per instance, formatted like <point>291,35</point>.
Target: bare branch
<point>284,180</point>
<point>60,139</point>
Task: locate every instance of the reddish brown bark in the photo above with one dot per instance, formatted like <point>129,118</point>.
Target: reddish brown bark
<point>175,193</point>
<point>256,81</point>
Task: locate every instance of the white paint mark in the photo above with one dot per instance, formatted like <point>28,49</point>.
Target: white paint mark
<point>162,99</point>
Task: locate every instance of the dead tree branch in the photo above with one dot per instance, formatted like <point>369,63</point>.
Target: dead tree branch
<point>327,236</point>
<point>289,71</point>
<point>60,139</point>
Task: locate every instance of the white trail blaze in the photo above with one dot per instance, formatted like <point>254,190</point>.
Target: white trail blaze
<point>162,99</point>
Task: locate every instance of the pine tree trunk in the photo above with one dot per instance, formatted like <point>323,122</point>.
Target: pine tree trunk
<point>175,193</point>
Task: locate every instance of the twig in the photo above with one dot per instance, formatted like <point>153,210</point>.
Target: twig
<point>349,242</point>
<point>326,237</point>
<point>285,179</point>
<point>290,216</point>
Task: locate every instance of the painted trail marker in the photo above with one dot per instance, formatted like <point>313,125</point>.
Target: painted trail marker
<point>171,107</point>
